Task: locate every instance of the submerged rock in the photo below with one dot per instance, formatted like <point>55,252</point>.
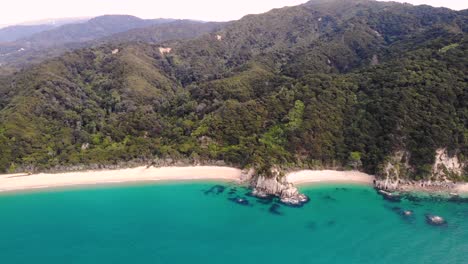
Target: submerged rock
<point>407,213</point>
<point>274,209</point>
<point>311,225</point>
<point>456,198</point>
<point>435,220</point>
<point>341,189</point>
<point>232,191</point>
<point>265,201</point>
<point>328,198</point>
<point>216,189</point>
<point>239,200</point>
<point>392,197</point>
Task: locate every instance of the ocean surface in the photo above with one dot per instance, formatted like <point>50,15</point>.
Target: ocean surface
<point>205,223</point>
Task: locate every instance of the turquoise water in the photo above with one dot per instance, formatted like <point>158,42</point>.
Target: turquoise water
<point>182,223</point>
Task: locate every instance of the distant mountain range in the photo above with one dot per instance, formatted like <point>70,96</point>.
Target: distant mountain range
<point>14,32</point>
<point>92,29</point>
<point>54,21</point>
<point>25,45</point>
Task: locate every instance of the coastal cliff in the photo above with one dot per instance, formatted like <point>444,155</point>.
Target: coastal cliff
<point>445,175</point>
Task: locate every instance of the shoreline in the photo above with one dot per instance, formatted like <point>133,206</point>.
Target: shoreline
<point>25,182</point>
<point>462,188</point>
<point>20,182</point>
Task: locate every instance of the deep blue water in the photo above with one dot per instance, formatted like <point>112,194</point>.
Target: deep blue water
<point>183,223</point>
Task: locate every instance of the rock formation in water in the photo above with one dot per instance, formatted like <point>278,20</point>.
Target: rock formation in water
<point>435,220</point>
<point>277,185</point>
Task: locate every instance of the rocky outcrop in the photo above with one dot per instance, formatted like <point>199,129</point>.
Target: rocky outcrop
<point>247,175</point>
<point>392,197</point>
<point>397,166</point>
<point>277,185</point>
<point>409,185</point>
<point>446,166</point>
<point>395,173</point>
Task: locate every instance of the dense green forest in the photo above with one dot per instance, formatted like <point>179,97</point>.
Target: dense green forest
<point>324,84</point>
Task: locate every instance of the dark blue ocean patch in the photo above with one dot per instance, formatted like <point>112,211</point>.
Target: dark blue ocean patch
<point>330,223</point>
<point>216,189</point>
<point>341,189</point>
<point>264,200</point>
<point>328,198</point>
<point>232,191</point>
<point>274,209</point>
<point>261,199</point>
<point>311,225</point>
<point>434,198</point>
<point>405,214</point>
<point>394,208</point>
<point>458,199</point>
<point>413,198</point>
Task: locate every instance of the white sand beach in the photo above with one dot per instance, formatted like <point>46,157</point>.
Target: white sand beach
<point>322,176</point>
<point>462,188</point>
<point>15,182</point>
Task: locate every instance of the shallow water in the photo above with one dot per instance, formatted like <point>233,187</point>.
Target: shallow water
<point>196,223</point>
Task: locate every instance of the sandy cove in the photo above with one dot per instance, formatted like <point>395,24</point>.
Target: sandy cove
<point>462,188</point>
<point>15,182</point>
<point>318,176</point>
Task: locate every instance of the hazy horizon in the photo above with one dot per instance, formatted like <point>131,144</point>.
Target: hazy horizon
<point>13,13</point>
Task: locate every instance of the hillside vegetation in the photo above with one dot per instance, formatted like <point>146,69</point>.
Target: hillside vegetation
<point>325,84</point>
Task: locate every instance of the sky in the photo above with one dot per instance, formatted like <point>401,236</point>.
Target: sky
<point>18,11</point>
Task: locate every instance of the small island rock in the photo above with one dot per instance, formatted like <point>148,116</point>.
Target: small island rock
<point>435,220</point>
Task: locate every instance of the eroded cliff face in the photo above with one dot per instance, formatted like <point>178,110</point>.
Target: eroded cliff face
<point>277,185</point>
<point>446,170</point>
<point>398,166</point>
<point>446,167</point>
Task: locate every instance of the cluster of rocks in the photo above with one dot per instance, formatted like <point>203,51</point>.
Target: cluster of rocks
<point>276,185</point>
<point>434,220</point>
<point>408,185</point>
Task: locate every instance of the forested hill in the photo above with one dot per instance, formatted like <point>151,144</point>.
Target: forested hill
<point>324,84</point>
